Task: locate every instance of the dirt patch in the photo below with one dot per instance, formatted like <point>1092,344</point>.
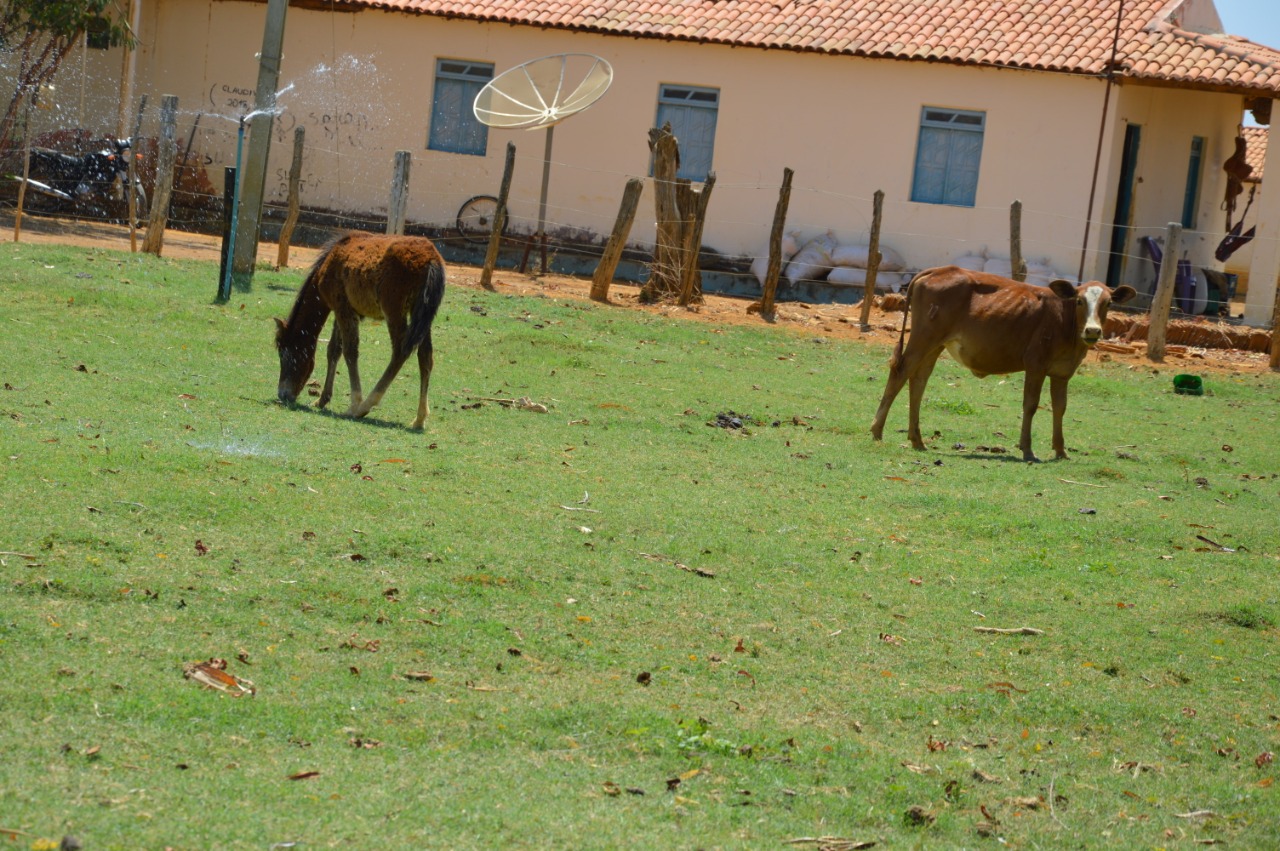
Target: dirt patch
<point>838,321</point>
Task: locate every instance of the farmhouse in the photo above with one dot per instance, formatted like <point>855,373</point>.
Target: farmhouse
<point>1106,119</point>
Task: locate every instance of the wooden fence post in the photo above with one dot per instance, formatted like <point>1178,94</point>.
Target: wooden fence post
<point>691,287</point>
<point>132,206</point>
<point>26,175</point>
<point>664,277</point>
<point>163,192</point>
<point>765,306</point>
<point>608,264</point>
<point>1275,334</point>
<point>1163,299</point>
<point>873,261</point>
<point>291,216</point>
<point>399,194</point>
<point>499,220</point>
<point>1017,265</point>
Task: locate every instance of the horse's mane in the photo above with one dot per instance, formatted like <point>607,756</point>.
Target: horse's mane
<point>309,290</point>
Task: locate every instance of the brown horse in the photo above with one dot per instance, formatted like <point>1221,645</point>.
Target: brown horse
<point>396,278</point>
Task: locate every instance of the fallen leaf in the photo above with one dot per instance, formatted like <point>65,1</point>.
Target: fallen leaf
<point>917,768</point>
<point>213,674</point>
<point>1027,803</point>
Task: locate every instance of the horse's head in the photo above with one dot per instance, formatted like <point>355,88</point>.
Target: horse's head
<point>296,363</point>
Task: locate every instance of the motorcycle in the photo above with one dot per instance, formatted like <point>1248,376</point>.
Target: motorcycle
<point>94,185</point>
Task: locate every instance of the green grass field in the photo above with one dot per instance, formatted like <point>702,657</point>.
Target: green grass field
<point>614,624</point>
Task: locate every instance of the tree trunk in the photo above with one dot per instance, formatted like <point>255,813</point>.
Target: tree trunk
<point>664,277</point>
<point>32,75</point>
<point>691,282</point>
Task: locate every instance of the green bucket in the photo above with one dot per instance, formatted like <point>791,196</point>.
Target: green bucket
<point>1188,385</point>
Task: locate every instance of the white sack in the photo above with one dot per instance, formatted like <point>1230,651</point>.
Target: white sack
<point>859,256</point>
<point>849,276</point>
<point>813,261</point>
<point>790,245</point>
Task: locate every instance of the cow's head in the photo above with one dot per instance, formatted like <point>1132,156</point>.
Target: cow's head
<point>1092,300</point>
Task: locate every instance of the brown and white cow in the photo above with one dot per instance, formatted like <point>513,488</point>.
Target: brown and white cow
<point>995,326</point>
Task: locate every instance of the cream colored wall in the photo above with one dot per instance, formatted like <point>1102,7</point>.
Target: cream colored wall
<point>1169,119</point>
<point>847,127</point>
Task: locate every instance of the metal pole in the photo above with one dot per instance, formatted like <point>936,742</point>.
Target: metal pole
<point>224,291</point>
<point>542,199</point>
<point>1102,132</point>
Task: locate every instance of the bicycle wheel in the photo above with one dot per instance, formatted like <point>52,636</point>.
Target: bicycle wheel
<point>476,217</point>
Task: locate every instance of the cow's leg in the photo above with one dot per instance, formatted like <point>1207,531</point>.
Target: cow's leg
<point>348,326</point>
<point>426,360</point>
<point>397,326</point>
<point>919,378</point>
<point>334,352</point>
<point>897,378</point>
<point>1058,393</point>
<point>1030,402</point>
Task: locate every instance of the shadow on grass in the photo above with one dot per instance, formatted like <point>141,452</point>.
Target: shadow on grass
<point>329,413</point>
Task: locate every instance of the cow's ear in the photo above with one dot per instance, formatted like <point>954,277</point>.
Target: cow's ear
<point>1123,293</point>
<point>1063,288</point>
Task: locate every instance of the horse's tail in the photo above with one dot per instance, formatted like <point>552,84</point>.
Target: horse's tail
<point>423,311</point>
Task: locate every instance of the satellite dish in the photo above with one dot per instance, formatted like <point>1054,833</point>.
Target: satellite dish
<point>543,92</point>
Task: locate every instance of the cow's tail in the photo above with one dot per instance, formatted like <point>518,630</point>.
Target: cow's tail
<point>423,312</point>
<point>895,363</point>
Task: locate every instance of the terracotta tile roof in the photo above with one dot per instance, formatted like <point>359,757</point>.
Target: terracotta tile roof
<point>1255,150</point>
<point>1073,36</point>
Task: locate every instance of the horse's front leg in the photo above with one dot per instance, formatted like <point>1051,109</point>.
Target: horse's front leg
<point>334,352</point>
<point>348,326</point>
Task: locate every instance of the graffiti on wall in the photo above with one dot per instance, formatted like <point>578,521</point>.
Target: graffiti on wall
<point>336,131</point>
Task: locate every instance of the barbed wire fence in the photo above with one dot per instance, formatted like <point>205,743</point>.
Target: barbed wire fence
<point>339,179</point>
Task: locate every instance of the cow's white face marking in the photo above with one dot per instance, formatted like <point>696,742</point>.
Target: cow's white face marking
<point>1092,319</point>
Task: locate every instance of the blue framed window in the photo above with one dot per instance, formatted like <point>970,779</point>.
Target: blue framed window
<point>948,155</point>
<point>692,111</point>
<point>454,127</point>
<point>1195,167</point>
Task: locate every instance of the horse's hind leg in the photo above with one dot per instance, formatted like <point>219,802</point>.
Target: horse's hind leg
<point>426,360</point>
<point>334,352</point>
